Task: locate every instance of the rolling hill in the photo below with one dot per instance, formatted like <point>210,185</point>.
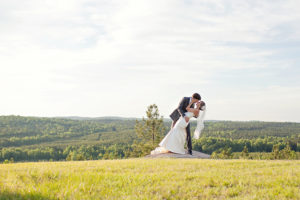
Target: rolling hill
<point>113,137</point>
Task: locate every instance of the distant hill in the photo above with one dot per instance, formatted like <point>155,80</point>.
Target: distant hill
<point>105,118</point>
<point>17,131</point>
<point>76,138</point>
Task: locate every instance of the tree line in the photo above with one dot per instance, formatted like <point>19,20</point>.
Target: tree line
<point>35,138</point>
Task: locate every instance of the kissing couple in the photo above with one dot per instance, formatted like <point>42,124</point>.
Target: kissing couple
<point>180,130</point>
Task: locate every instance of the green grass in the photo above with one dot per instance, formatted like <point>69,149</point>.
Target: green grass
<point>151,179</point>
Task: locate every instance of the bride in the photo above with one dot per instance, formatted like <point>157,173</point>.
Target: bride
<point>174,141</point>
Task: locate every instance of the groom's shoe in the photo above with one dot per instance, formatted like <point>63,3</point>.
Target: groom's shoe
<point>190,152</point>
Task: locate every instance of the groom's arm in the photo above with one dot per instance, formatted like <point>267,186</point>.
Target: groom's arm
<point>181,108</point>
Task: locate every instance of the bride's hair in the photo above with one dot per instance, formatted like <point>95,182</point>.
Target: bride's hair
<point>202,104</point>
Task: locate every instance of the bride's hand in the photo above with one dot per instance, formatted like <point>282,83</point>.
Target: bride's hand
<point>186,119</point>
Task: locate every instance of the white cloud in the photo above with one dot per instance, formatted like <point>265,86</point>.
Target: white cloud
<point>77,57</point>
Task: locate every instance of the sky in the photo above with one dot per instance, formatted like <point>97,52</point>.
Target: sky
<point>95,58</point>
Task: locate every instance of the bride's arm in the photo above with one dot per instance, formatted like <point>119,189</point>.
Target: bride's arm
<point>188,108</point>
<point>196,112</point>
<point>193,110</point>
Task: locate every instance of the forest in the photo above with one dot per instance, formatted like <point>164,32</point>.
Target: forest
<point>58,139</point>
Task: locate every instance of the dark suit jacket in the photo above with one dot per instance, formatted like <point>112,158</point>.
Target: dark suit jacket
<point>181,109</point>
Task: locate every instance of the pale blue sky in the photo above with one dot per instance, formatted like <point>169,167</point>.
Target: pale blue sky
<point>115,57</point>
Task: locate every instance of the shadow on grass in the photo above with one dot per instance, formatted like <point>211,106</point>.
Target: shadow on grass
<point>6,195</point>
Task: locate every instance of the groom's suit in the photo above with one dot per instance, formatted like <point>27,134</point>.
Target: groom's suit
<point>177,113</point>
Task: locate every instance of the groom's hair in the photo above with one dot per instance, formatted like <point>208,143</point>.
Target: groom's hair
<point>196,96</point>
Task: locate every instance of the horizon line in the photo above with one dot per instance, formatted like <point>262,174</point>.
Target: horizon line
<point>120,117</point>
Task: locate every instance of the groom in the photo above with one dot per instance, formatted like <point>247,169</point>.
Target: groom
<point>177,113</point>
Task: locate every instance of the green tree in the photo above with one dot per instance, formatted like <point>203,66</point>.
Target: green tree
<point>287,153</point>
<point>275,152</point>
<point>225,153</point>
<point>149,131</point>
<point>245,153</point>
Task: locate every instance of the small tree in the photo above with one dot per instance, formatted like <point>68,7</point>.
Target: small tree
<point>149,131</point>
<point>287,153</point>
<point>225,153</point>
<point>245,153</point>
<point>275,152</point>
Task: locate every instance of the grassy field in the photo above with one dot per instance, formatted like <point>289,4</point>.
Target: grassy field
<point>151,179</point>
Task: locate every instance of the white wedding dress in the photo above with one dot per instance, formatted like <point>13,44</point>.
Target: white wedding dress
<point>174,141</point>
